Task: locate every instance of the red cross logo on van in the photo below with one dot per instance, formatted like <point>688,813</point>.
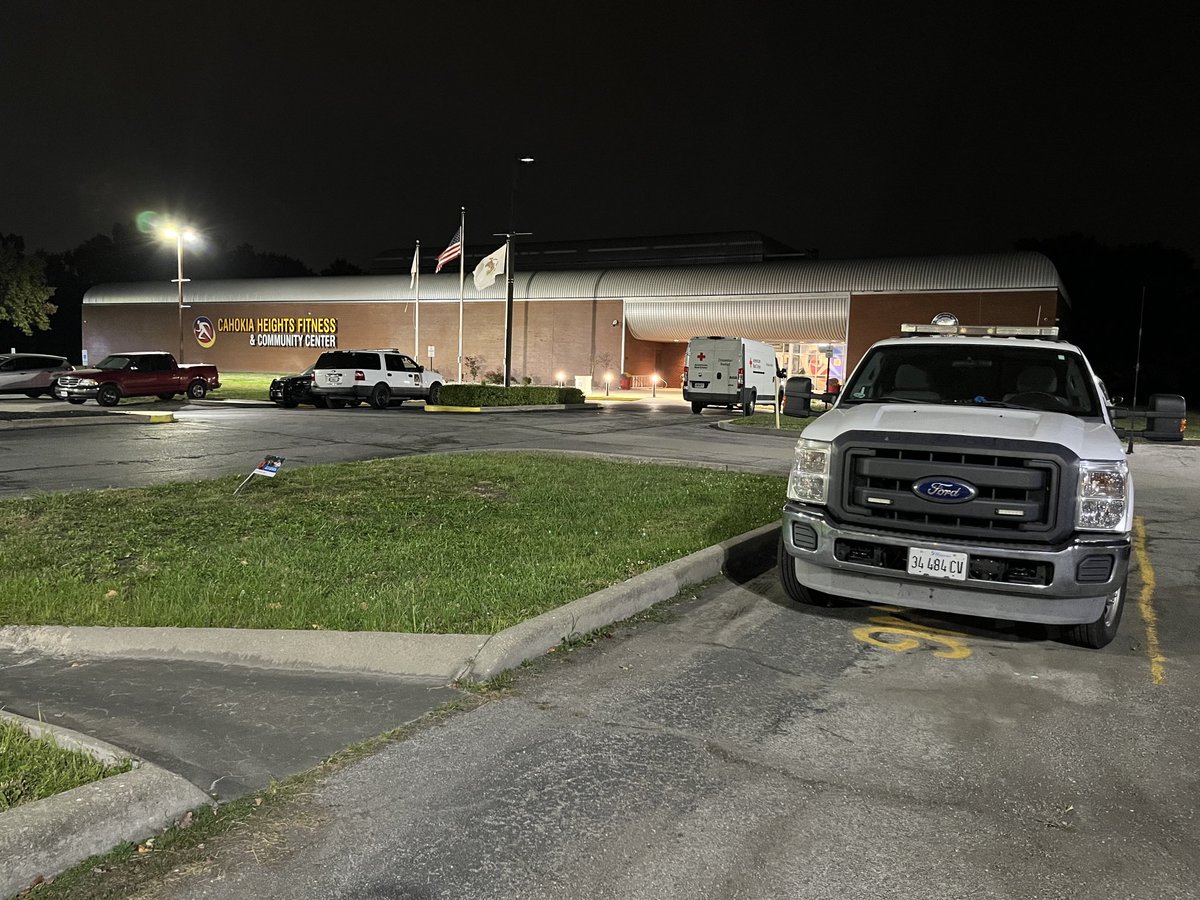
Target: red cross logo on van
<point>700,356</point>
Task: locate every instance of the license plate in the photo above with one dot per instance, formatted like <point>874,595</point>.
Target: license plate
<point>334,377</point>
<point>937,564</point>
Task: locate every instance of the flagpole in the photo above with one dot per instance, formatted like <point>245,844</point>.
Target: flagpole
<point>416,285</point>
<point>462,273</point>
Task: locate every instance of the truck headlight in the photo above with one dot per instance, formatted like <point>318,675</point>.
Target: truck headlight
<point>1105,492</point>
<point>87,382</point>
<point>808,480</point>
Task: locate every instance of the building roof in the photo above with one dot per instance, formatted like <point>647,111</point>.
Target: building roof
<point>1024,270</point>
<point>777,300</point>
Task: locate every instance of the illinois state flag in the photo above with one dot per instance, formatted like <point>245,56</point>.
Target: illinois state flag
<point>489,267</point>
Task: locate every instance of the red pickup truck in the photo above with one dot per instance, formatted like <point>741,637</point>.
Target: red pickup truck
<point>136,375</point>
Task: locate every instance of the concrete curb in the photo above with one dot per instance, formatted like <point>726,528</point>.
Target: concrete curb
<point>49,836</point>
<point>111,418</point>
<point>536,636</point>
<point>747,429</point>
<point>388,653</point>
<point>544,407</point>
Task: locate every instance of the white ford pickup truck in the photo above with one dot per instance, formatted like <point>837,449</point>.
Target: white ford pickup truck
<point>964,469</point>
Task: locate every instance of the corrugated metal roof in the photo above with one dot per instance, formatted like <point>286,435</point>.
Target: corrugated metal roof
<point>802,319</point>
<point>1012,271</point>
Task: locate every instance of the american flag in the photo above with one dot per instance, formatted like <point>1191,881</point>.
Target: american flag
<point>452,252</point>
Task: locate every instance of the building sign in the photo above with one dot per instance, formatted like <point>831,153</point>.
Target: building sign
<point>281,331</point>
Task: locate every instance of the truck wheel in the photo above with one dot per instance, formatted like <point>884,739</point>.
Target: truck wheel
<point>320,402</point>
<point>748,406</point>
<point>166,396</point>
<point>196,390</point>
<point>697,406</point>
<point>380,396</point>
<point>435,391</point>
<point>108,395</point>
<point>335,403</point>
<point>1101,632</point>
<point>793,588</point>
<point>289,404</point>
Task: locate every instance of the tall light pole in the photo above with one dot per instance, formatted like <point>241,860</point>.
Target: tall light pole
<point>510,264</point>
<point>179,234</point>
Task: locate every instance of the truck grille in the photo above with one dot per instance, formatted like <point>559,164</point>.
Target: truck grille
<point>68,381</point>
<point>1017,493</point>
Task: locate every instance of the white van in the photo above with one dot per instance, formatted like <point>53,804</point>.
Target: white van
<point>729,372</point>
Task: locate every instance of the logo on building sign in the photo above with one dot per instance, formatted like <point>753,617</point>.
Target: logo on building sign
<point>206,334</point>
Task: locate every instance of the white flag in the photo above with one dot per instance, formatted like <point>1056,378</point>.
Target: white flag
<point>489,267</point>
<point>416,267</point>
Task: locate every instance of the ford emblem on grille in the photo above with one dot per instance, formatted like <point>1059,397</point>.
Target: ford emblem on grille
<point>944,490</point>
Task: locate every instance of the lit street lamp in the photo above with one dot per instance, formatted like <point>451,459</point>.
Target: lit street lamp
<point>179,234</point>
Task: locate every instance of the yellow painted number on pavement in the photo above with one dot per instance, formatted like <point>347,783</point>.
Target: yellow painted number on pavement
<point>903,636</point>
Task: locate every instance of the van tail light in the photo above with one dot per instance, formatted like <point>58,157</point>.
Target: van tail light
<point>359,376</point>
<point>685,368</point>
<point>741,378</point>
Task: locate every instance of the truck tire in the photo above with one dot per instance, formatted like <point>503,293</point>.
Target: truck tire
<point>793,588</point>
<point>697,407</point>
<point>320,403</point>
<point>380,397</point>
<point>748,405</point>
<point>435,391</point>
<point>197,390</point>
<point>1101,632</point>
<point>108,395</point>
<point>335,403</point>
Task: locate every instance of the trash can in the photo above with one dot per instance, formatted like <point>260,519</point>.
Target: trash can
<point>1165,419</point>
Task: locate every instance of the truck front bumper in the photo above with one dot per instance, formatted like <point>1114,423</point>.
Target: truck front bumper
<point>1072,581</point>
<point>75,392</point>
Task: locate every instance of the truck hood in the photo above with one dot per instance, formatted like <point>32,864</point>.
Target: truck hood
<point>1088,439</point>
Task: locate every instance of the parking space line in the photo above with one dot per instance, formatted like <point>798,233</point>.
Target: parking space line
<point>1145,602</point>
<point>912,636</point>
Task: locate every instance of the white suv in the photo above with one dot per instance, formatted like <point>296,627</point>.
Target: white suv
<point>381,377</point>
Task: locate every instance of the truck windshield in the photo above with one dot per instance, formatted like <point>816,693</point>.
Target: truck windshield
<point>1050,378</point>
<point>113,362</point>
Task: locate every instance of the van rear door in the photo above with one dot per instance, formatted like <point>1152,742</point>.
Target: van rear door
<point>713,365</point>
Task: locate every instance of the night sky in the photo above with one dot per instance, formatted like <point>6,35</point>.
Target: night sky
<point>337,130</point>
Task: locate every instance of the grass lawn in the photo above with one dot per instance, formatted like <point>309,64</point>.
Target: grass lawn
<point>244,386</point>
<point>32,768</point>
<point>462,543</point>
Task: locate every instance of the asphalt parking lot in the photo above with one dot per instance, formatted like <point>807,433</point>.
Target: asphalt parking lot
<point>691,755</point>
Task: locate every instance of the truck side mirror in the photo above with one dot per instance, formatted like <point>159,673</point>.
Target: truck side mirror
<point>797,397</point>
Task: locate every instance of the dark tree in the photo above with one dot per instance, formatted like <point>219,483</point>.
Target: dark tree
<point>24,293</point>
<point>1106,286</point>
<point>342,267</point>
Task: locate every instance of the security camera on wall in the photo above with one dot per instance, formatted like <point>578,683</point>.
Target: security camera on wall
<point>616,322</point>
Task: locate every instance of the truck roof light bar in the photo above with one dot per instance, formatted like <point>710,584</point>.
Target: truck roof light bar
<point>1030,331</point>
